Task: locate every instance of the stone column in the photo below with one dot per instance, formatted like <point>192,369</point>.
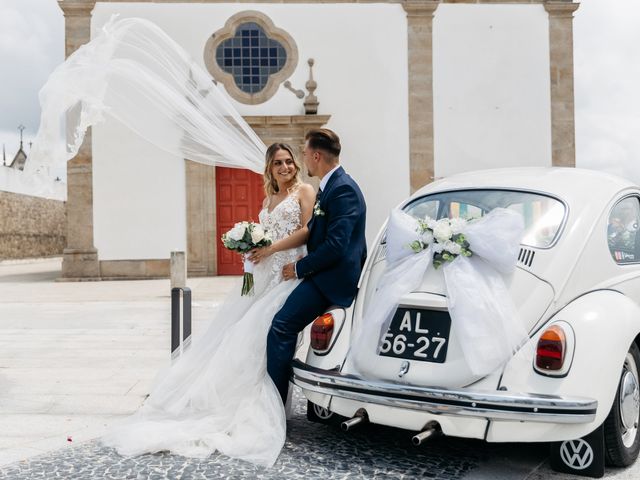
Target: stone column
<point>563,143</point>
<point>80,257</point>
<point>420,41</point>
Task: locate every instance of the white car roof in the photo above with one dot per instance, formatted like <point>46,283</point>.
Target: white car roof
<point>574,185</point>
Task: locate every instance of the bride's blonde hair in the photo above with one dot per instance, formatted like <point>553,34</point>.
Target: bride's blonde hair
<point>270,183</point>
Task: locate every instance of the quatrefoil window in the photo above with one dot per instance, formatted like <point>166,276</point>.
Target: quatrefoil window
<point>251,57</point>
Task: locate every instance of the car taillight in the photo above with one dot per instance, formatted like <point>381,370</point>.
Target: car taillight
<point>321,332</point>
<point>551,349</point>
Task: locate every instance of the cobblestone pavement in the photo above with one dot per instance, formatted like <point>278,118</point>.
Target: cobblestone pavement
<point>312,451</point>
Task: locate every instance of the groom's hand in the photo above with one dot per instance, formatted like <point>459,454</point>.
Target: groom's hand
<point>289,271</point>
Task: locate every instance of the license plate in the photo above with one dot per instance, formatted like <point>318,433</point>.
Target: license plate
<point>417,334</point>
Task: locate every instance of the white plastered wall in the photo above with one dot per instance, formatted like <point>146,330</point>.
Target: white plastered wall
<point>361,69</point>
<point>492,105</point>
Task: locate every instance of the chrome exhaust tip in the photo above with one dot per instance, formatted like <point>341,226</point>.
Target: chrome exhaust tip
<point>359,418</point>
<point>424,435</point>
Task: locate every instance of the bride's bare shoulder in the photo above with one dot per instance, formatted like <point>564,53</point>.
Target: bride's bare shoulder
<point>306,190</point>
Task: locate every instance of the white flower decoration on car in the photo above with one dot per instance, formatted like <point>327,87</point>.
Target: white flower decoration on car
<point>445,237</point>
<point>457,225</point>
<point>442,230</point>
<point>426,237</point>
<point>452,247</point>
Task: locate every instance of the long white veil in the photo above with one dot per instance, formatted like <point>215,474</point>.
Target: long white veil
<point>135,73</point>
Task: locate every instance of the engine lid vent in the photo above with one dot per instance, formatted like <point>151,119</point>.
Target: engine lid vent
<point>526,256</point>
<point>382,253</point>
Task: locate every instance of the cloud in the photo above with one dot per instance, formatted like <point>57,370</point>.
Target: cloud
<point>607,76</point>
<point>31,45</point>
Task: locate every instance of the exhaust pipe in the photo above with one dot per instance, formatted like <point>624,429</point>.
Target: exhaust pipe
<point>424,435</point>
<point>358,418</point>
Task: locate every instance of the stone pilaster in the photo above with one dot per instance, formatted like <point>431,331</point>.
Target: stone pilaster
<point>420,45</point>
<point>80,257</point>
<point>201,219</point>
<point>563,142</point>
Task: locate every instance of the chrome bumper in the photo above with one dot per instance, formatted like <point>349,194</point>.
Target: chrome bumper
<point>496,405</point>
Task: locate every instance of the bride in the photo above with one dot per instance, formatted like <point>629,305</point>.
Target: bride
<point>218,395</point>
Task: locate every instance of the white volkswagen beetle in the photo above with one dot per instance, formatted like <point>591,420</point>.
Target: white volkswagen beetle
<point>576,287</point>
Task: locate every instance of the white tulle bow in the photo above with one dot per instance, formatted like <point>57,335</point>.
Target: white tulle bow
<point>483,315</point>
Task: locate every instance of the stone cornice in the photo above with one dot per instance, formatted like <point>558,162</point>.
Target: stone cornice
<point>77,8</point>
<point>416,2</point>
<point>420,8</point>
<point>256,120</point>
<point>505,1</point>
<point>560,8</point>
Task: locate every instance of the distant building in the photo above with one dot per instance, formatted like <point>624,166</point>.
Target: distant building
<point>19,159</point>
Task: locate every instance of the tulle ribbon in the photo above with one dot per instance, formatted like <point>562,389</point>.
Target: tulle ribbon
<point>484,317</point>
<point>247,277</point>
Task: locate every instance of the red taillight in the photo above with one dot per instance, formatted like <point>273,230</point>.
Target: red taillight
<point>551,349</point>
<point>321,332</point>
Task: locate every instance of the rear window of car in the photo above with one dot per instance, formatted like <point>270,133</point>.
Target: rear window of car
<point>543,215</point>
<point>622,231</point>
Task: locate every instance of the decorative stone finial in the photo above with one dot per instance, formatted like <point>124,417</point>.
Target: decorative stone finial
<point>311,102</point>
<point>296,92</point>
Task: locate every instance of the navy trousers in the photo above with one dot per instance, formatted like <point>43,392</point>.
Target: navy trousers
<point>304,304</point>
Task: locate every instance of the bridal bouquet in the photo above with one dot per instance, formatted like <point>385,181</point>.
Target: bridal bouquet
<point>444,236</point>
<point>242,238</point>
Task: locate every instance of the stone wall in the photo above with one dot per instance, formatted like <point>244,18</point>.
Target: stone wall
<point>30,226</point>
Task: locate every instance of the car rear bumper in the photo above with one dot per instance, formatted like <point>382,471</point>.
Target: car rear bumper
<point>492,405</point>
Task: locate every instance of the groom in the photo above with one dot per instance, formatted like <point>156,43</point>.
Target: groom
<point>336,253</point>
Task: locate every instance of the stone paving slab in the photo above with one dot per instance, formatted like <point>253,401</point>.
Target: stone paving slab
<point>311,451</point>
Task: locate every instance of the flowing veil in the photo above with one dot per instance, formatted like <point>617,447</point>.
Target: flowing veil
<point>135,73</point>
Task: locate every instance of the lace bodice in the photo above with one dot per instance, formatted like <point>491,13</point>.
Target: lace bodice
<point>281,222</point>
<point>284,219</point>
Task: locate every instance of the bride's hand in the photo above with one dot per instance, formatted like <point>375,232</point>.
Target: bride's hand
<point>258,254</point>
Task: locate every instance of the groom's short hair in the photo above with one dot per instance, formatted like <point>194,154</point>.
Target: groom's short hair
<point>325,140</point>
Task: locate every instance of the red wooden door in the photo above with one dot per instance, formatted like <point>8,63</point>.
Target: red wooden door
<point>239,197</point>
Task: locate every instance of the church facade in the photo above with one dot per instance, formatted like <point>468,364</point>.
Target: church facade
<point>417,90</point>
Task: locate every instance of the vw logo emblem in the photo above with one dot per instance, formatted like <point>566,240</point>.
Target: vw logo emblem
<point>576,454</point>
<point>321,412</point>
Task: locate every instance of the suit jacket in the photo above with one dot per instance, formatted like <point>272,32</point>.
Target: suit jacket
<point>337,247</point>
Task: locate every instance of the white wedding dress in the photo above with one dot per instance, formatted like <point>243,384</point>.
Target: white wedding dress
<point>218,395</point>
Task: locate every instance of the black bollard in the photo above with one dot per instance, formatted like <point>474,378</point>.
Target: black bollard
<point>175,320</point>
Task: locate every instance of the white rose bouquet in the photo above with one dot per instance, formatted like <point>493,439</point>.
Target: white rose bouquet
<point>444,236</point>
<point>242,238</point>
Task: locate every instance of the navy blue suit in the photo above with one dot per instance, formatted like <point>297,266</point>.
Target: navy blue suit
<point>337,250</point>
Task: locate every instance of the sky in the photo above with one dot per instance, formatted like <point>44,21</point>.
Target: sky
<point>606,62</point>
<point>31,45</point>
